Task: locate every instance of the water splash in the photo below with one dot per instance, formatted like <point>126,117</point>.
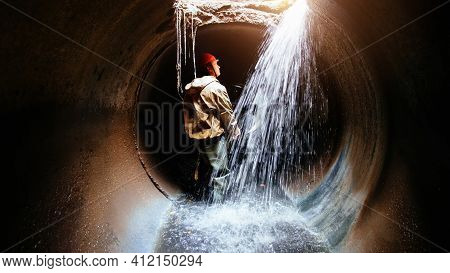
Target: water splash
<point>244,227</point>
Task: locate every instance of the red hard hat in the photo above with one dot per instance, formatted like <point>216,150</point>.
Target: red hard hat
<point>207,58</point>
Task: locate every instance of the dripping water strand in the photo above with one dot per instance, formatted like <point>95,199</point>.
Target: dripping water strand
<point>186,19</point>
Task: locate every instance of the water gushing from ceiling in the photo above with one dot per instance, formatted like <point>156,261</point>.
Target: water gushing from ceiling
<point>277,112</point>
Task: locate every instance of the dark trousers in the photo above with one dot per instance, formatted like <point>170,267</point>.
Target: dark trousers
<point>213,167</point>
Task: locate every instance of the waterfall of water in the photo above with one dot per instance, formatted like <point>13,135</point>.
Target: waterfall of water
<point>275,104</point>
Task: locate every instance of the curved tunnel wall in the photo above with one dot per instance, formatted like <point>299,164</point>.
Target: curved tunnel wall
<point>343,174</point>
<point>68,123</point>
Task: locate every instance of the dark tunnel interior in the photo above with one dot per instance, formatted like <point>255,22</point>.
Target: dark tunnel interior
<point>159,124</point>
<point>75,168</point>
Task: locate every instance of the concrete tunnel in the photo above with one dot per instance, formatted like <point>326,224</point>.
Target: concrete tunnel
<point>77,179</point>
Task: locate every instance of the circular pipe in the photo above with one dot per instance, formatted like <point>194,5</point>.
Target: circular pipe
<point>68,121</point>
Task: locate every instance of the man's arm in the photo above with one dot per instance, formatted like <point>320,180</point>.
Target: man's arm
<point>225,110</point>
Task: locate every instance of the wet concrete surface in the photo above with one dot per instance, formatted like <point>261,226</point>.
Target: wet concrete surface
<point>82,182</point>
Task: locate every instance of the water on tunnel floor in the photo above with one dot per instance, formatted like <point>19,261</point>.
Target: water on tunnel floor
<point>247,226</point>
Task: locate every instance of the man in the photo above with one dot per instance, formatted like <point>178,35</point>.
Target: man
<point>208,117</point>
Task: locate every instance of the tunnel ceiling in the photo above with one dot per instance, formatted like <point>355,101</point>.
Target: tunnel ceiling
<point>201,13</point>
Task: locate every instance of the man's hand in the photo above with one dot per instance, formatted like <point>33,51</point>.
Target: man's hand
<point>235,133</point>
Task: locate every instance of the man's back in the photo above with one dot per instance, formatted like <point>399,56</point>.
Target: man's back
<point>207,108</point>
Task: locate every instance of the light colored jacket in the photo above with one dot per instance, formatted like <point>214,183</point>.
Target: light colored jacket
<point>207,109</point>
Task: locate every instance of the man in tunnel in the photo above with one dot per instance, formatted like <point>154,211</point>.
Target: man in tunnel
<point>208,118</point>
